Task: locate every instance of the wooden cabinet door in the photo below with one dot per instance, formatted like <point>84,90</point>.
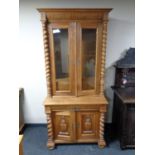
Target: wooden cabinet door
<point>62,57</point>
<point>89,43</point>
<point>63,125</point>
<point>127,138</point>
<point>87,126</point>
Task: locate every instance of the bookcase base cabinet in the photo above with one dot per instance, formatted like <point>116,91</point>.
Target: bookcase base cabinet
<point>75,124</point>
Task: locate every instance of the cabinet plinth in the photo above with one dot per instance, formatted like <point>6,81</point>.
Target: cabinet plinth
<point>75,48</point>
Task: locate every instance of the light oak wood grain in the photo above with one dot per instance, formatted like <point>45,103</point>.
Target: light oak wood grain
<point>20,144</point>
<point>74,114</point>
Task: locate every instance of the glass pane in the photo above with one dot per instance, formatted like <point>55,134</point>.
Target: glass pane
<point>88,58</point>
<point>61,58</point>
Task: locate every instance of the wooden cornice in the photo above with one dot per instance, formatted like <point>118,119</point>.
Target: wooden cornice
<point>75,13</point>
<point>74,9</point>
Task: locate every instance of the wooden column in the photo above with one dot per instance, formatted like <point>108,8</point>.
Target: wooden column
<point>47,54</point>
<point>101,142</point>
<point>104,41</point>
<point>50,142</point>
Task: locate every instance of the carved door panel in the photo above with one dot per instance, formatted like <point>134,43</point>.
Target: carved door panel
<point>87,125</point>
<point>63,125</point>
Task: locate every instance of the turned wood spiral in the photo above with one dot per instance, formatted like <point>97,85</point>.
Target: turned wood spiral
<point>47,57</point>
<point>49,127</point>
<point>104,40</point>
<point>102,126</point>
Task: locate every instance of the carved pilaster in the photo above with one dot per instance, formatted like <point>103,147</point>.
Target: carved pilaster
<point>50,143</point>
<point>47,54</point>
<point>104,41</point>
<point>101,142</point>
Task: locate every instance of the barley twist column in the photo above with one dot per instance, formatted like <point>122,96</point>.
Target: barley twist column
<point>50,142</point>
<point>104,40</point>
<point>47,55</point>
<point>101,142</point>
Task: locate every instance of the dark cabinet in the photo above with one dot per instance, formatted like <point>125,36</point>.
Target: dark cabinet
<point>124,100</point>
<point>124,122</point>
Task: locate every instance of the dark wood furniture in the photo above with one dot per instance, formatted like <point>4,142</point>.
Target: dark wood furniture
<point>21,114</point>
<point>124,116</point>
<point>124,101</point>
<point>75,47</point>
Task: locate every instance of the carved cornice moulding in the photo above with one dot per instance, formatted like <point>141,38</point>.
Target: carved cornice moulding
<point>100,14</point>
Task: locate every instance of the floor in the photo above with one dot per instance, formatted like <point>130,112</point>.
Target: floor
<point>35,138</point>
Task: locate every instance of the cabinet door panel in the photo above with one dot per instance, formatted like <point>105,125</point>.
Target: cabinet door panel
<point>62,54</point>
<point>87,125</point>
<point>63,125</point>
<point>128,127</point>
<point>88,55</point>
<point>88,58</point>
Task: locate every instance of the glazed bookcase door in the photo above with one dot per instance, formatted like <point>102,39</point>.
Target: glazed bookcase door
<point>89,42</point>
<point>62,45</point>
<point>63,125</point>
<point>87,126</point>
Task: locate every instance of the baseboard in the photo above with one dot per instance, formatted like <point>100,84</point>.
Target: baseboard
<point>22,128</point>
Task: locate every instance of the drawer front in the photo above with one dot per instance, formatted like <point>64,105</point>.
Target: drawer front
<point>87,125</point>
<point>77,108</point>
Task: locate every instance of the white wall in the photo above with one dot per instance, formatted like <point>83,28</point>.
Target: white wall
<point>32,72</point>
